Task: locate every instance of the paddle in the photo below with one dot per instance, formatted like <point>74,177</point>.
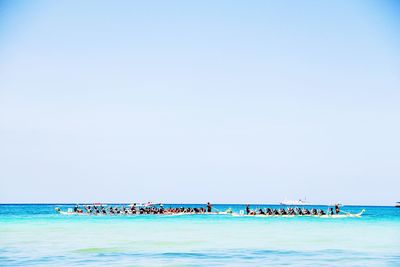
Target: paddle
<point>347,213</point>
<point>216,209</point>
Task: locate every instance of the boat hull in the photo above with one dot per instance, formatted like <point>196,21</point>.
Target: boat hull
<point>136,214</point>
<point>334,216</point>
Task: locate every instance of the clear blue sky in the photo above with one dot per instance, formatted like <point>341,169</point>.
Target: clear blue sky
<point>194,101</point>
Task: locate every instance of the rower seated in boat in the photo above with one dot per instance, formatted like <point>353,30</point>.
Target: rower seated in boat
<point>314,212</point>
<point>299,211</point>
<point>330,211</point>
<point>133,208</point>
<point>269,211</point>
<point>261,212</point>
<point>87,208</point>
<point>291,211</point>
<point>124,210</point>
<point>337,208</point>
<point>111,210</point>
<point>306,212</point>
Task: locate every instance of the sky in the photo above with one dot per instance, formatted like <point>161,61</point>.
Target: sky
<point>196,101</point>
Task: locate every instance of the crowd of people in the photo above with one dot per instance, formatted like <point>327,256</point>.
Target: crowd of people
<point>140,209</point>
<point>292,211</point>
<point>159,209</point>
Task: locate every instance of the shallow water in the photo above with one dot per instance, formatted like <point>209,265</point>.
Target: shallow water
<point>34,235</point>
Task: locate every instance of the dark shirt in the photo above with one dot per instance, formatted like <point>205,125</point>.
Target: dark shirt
<point>209,208</point>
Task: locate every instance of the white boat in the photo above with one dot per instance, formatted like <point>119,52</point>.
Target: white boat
<point>334,216</point>
<point>228,212</point>
<point>299,202</point>
<point>83,213</point>
<point>397,205</point>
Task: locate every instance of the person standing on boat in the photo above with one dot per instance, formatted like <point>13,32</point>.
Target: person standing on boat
<point>337,208</point>
<point>247,209</point>
<point>209,207</point>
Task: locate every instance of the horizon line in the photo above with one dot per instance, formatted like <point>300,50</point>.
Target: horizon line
<point>189,203</point>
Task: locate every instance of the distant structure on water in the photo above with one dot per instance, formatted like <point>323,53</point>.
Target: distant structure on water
<point>299,202</point>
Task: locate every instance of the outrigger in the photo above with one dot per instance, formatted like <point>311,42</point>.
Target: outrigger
<point>139,209</point>
<point>335,212</point>
<point>333,216</point>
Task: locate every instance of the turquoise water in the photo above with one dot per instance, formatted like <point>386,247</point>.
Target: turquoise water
<point>34,235</point>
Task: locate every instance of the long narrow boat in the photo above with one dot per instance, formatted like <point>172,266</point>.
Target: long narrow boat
<point>69,212</point>
<point>334,216</point>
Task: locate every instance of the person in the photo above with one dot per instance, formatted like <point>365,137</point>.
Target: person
<point>299,211</point>
<point>96,209</point>
<point>161,208</point>
<point>247,209</point>
<point>269,211</point>
<point>337,208</point>
<point>291,211</point>
<point>76,208</point>
<point>209,207</point>
<point>141,210</point>
<point>313,211</point>
<point>133,208</point>
<point>330,211</point>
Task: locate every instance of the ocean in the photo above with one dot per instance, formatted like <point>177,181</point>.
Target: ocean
<point>35,235</point>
